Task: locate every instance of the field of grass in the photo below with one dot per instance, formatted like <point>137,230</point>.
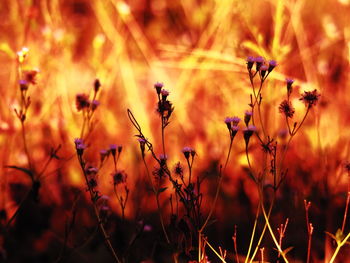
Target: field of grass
<point>174,131</point>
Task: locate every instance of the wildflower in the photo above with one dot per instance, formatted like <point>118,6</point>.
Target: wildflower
<point>287,109</point>
<point>159,173</point>
<point>114,148</point>
<point>272,65</point>
<point>259,62</point>
<point>250,62</point>
<point>94,104</point>
<point>91,173</point>
<point>79,146</point>
<point>235,120</point>
<point>158,86</point>
<point>119,177</point>
<point>310,98</point>
<point>248,132</point>
<point>165,108</point>
<point>263,70</point>
<point>82,101</point>
<point>289,83</point>
<point>247,116</point>
<point>165,94</point>
<point>179,170</point>
<point>97,85</point>
<point>187,151</point>
<point>23,85</point>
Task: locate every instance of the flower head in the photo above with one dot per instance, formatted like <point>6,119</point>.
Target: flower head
<point>310,98</point>
<point>248,132</point>
<point>82,101</point>
<point>23,85</point>
<point>289,83</point>
<point>259,62</point>
<point>119,177</point>
<point>272,65</point>
<point>158,86</point>
<point>250,62</point>
<point>286,108</point>
<point>247,116</point>
<point>179,170</point>
<point>79,146</point>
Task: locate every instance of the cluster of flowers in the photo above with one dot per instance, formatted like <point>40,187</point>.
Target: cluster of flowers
<point>82,100</point>
<point>232,126</point>
<point>165,107</point>
<point>263,67</point>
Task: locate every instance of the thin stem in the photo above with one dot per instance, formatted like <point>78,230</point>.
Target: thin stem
<point>157,200</point>
<point>235,244</point>
<point>253,234</point>
<point>346,206</point>
<point>271,232</point>
<point>26,151</point>
<point>97,214</point>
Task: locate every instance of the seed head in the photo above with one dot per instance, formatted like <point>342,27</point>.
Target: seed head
<point>82,101</point>
<point>97,85</point>
<point>247,116</point>
<point>119,177</point>
<point>286,108</point>
<point>310,98</point>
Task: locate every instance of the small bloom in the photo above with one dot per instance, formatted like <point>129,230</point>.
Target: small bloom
<point>250,62</point>
<point>165,93</point>
<point>158,86</point>
<point>187,151</point>
<point>79,146</point>
<point>310,98</point>
<point>289,83</point>
<point>235,120</point>
<point>287,109</point>
<point>119,177</point>
<point>97,85</point>
<point>259,62</point>
<point>248,132</point>
<point>272,65</point>
<point>23,85</point>
<point>82,101</point>
<point>263,70</point>
<point>113,149</point>
<point>247,116</point>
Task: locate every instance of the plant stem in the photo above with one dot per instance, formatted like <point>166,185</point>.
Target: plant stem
<point>339,245</point>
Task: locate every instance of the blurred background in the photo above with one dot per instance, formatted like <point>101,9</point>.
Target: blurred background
<point>198,49</point>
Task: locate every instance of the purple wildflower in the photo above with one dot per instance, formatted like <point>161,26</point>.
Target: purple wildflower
<point>158,86</point>
<point>310,98</point>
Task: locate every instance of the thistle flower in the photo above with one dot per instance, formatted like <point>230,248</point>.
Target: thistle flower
<point>187,151</point>
<point>289,83</point>
<point>263,70</point>
<point>158,86</point>
<point>247,116</point>
<point>79,146</point>
<point>272,65</point>
<point>310,98</point>
<point>23,85</point>
<point>165,93</point>
<point>286,108</point>
<point>250,62</point>
<point>248,132</point>
<point>119,177</point>
<point>259,62</point>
